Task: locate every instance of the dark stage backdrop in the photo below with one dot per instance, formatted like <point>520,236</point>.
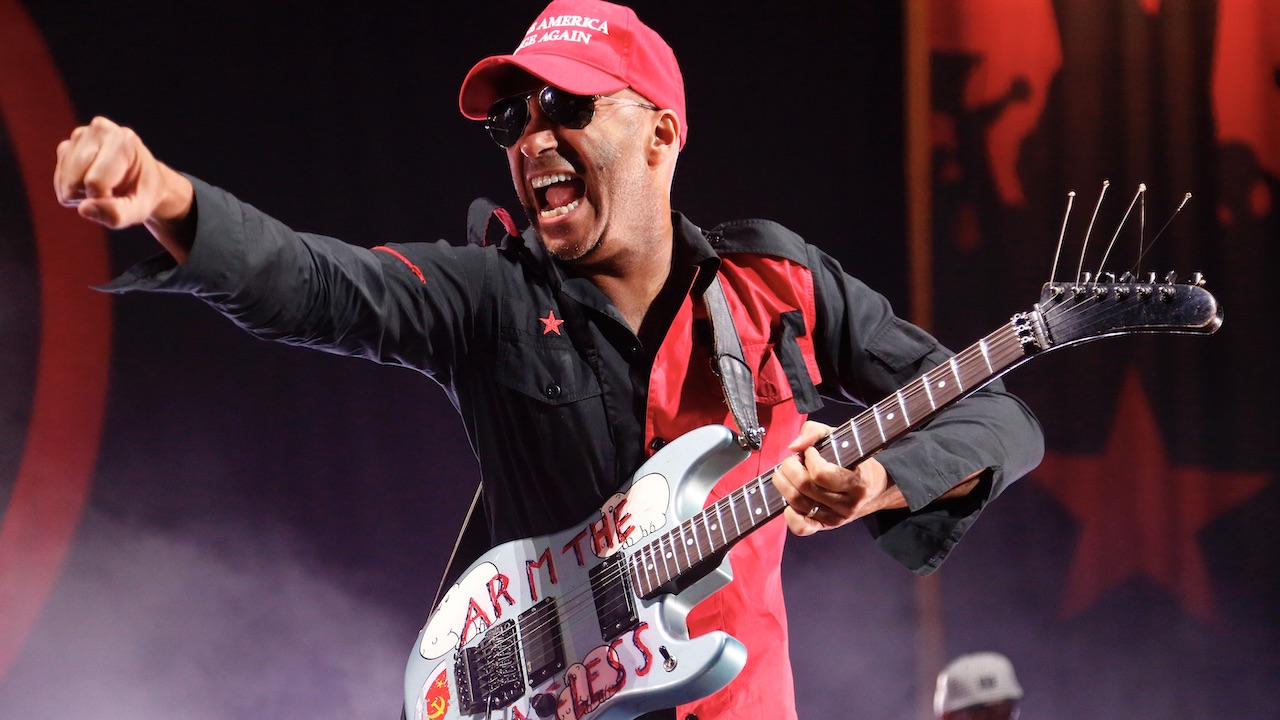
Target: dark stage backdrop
<point>197,524</point>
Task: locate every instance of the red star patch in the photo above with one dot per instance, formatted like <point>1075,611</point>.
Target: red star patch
<point>1138,513</point>
<point>550,324</point>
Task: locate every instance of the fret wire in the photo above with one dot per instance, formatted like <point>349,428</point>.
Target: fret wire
<point>654,549</point>
<point>733,507</point>
<point>773,501</point>
<point>684,545</point>
<point>986,356</point>
<point>875,412</point>
<point>928,381</point>
<point>653,569</point>
<point>754,512</point>
<point>724,539</point>
<point>693,524</point>
<point>828,452</point>
<point>971,366</point>
<point>902,403</point>
<point>669,558</point>
<point>642,581</point>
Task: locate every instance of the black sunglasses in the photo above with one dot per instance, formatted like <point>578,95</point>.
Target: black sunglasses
<point>509,116</point>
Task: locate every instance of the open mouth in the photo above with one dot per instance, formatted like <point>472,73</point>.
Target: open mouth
<point>557,194</point>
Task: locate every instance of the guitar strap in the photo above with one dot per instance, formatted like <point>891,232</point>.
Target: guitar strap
<point>731,367</point>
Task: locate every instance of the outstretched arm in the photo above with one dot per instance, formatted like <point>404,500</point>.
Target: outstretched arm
<point>108,174</point>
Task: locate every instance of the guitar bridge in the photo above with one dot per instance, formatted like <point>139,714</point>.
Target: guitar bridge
<point>488,674</point>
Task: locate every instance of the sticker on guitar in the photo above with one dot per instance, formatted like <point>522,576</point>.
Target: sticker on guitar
<point>482,596</point>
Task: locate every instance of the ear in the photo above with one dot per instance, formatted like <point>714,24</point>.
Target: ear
<point>665,142</point>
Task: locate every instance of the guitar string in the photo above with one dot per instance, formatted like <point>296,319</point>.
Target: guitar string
<point>573,602</point>
<point>702,524</point>
<point>580,604</point>
<point>735,500</point>
<point>1005,353</point>
<point>667,545</point>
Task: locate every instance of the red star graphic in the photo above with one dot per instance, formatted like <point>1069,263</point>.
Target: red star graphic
<point>550,324</point>
<point>1139,515</point>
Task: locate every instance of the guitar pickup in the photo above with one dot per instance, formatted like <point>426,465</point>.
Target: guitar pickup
<point>542,642</point>
<point>615,603</point>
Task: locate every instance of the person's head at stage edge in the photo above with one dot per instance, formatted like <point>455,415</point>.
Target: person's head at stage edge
<point>590,109</point>
<point>977,686</point>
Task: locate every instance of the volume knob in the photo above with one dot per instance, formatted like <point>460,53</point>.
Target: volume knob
<point>544,704</point>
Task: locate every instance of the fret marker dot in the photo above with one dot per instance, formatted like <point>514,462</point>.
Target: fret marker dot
<point>844,444</point>
<point>889,416</point>
<point>688,542</point>
<point>942,383</point>
<point>668,554</point>
<point>713,526</point>
<point>650,566</point>
<point>758,511</point>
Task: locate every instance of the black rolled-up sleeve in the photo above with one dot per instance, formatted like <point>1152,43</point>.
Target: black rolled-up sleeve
<point>865,353</point>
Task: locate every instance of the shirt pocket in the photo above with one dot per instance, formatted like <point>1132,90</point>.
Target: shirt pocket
<point>780,368</point>
<point>546,368</point>
<point>902,347</point>
<point>771,382</point>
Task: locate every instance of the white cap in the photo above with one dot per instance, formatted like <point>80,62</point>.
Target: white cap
<point>975,679</point>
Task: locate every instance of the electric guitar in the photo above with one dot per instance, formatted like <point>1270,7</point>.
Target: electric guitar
<point>591,621</point>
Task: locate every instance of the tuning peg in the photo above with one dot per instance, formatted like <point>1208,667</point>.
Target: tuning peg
<point>1151,278</point>
<point>1108,277</point>
<point>1171,277</point>
<point>1196,279</point>
<point>1127,277</point>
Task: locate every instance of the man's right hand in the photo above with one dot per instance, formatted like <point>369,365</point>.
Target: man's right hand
<point>110,177</point>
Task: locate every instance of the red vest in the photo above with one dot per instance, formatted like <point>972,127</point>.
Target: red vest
<point>759,290</point>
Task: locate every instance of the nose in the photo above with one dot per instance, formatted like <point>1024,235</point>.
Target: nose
<point>539,135</point>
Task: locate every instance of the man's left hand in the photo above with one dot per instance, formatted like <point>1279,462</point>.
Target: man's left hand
<point>822,495</point>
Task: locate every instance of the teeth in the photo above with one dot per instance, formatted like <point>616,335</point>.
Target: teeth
<point>541,182</point>
<point>557,212</point>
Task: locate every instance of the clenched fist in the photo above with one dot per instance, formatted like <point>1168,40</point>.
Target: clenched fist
<point>109,176</point>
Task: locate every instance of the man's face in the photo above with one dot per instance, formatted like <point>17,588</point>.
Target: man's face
<point>590,192</point>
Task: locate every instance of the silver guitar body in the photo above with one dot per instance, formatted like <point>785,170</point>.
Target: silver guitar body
<point>551,626</point>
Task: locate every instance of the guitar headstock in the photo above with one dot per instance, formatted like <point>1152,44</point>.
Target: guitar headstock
<point>1077,312</point>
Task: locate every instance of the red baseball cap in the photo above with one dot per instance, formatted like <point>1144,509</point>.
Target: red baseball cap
<point>588,47</point>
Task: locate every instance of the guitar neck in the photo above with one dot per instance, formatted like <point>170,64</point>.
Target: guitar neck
<point>707,534</point>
